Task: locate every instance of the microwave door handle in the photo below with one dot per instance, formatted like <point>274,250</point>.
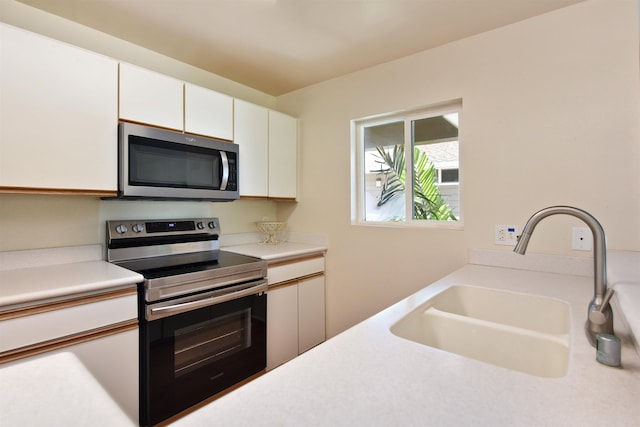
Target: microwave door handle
<point>225,171</point>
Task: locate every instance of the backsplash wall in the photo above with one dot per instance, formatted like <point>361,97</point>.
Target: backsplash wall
<point>38,221</point>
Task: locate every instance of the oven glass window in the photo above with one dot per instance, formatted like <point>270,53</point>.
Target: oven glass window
<point>157,163</point>
<point>208,341</point>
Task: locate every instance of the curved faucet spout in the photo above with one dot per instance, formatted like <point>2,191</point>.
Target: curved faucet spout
<point>599,243</point>
<point>596,323</point>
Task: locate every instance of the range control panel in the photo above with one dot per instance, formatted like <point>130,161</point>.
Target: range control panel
<point>124,229</point>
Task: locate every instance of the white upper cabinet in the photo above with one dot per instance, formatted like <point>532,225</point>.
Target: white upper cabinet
<point>283,155</point>
<point>251,133</point>
<point>155,99</point>
<point>151,98</point>
<point>58,115</point>
<point>268,143</point>
<point>207,112</point>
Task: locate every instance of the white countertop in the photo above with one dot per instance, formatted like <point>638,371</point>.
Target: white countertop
<point>55,390</point>
<point>27,285</point>
<point>33,276</point>
<point>368,376</point>
<point>281,250</point>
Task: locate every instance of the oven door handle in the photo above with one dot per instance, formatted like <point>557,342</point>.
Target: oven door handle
<point>169,310</point>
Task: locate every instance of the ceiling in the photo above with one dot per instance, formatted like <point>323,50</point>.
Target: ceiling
<point>277,46</point>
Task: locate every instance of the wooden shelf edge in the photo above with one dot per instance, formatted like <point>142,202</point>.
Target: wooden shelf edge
<point>66,303</point>
<point>57,191</point>
<point>67,341</point>
<point>269,199</point>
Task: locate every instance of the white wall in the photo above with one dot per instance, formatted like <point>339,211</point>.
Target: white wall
<point>550,116</point>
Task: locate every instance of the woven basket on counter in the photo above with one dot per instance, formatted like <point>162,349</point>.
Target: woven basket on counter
<point>271,229</point>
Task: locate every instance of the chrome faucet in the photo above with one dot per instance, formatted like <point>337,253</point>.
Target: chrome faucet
<point>599,314</point>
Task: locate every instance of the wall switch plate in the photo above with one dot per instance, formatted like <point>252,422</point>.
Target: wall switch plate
<point>506,235</point>
<point>581,239</point>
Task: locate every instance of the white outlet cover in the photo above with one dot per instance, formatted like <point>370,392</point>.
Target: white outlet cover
<point>581,239</point>
<point>506,235</point>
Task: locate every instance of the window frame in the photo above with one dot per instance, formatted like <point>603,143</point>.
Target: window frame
<point>358,185</point>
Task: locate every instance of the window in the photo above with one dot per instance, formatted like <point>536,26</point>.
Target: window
<point>407,168</point>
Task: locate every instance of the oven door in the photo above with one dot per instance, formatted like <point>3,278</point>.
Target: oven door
<point>197,346</point>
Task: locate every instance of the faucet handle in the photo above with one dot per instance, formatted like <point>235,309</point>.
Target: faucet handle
<point>597,315</point>
<point>606,298</point>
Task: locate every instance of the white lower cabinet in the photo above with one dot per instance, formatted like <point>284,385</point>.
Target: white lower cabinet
<point>311,313</point>
<point>101,330</point>
<point>113,362</point>
<point>282,325</point>
<point>295,308</point>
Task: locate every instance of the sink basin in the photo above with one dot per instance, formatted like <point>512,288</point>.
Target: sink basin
<point>526,333</point>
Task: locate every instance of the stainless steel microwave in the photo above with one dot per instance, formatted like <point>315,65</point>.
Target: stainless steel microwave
<point>162,164</point>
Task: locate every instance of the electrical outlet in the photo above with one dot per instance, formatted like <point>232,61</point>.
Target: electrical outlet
<point>581,239</point>
<point>506,235</point>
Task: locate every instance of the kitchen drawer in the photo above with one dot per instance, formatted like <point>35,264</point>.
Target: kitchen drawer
<point>292,269</point>
<point>72,319</point>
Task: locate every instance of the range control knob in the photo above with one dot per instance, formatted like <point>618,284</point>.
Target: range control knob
<point>200,225</point>
<point>138,228</point>
<point>121,229</point>
<point>212,225</point>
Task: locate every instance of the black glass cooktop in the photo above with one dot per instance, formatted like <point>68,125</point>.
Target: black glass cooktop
<point>173,265</point>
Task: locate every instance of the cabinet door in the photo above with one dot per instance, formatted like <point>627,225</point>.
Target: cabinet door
<point>311,313</point>
<point>58,114</point>
<point>282,325</point>
<point>283,155</point>
<point>113,362</point>
<point>251,132</point>
<point>151,98</point>
<point>207,112</point>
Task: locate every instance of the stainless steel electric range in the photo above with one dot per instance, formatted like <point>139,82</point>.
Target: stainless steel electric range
<point>202,311</point>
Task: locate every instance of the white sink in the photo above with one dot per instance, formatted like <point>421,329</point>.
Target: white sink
<point>526,333</point>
